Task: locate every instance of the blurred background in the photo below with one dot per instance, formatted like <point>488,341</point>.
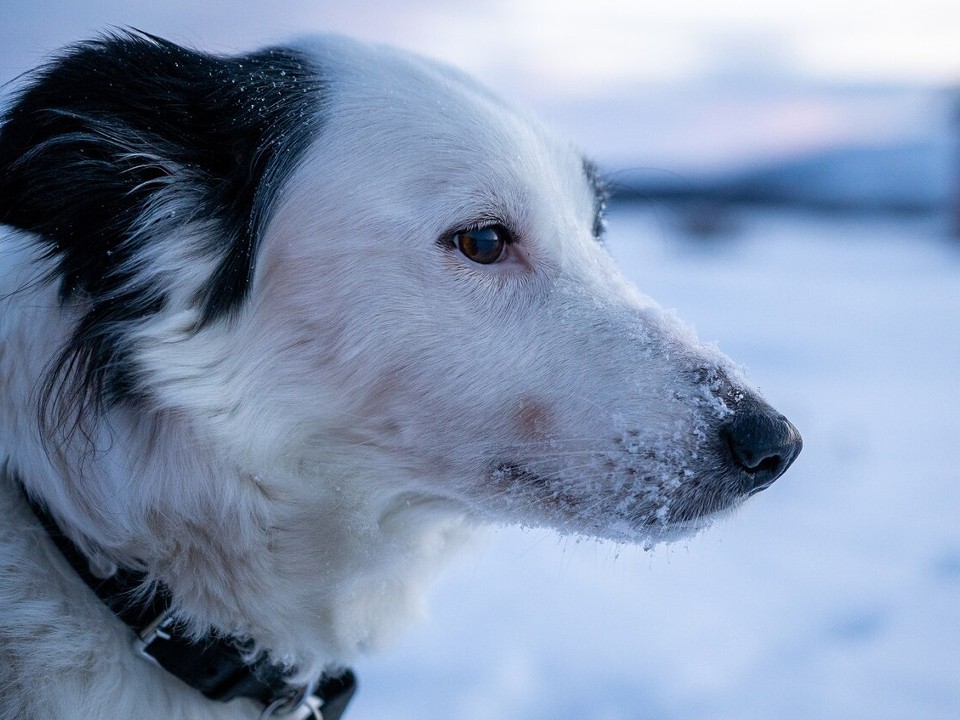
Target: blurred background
<point>787,176</point>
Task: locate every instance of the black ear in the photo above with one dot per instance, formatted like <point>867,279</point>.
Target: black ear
<point>128,141</point>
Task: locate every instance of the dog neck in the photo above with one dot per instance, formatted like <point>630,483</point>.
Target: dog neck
<point>218,666</point>
<point>317,563</point>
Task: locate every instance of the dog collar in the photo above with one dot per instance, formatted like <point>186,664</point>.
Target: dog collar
<point>219,666</point>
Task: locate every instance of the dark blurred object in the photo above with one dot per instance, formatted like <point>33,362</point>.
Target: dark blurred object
<point>955,206</point>
<point>917,178</point>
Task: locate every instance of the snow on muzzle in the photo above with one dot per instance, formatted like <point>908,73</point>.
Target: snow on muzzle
<point>650,484</point>
<point>660,436</point>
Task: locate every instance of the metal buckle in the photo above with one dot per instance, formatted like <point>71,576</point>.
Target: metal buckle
<point>303,705</point>
<point>156,630</point>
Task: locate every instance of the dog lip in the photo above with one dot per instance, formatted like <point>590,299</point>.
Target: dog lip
<point>633,517</point>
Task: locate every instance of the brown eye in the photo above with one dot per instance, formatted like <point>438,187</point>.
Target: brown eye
<point>484,245</point>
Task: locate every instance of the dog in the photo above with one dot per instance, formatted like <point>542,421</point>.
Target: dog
<point>278,332</point>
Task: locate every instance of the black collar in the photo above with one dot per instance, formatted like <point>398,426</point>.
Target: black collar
<point>218,666</point>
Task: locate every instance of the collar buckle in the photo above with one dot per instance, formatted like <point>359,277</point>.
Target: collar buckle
<point>304,705</point>
<point>156,630</point>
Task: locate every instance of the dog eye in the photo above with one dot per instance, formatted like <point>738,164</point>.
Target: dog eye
<point>484,245</point>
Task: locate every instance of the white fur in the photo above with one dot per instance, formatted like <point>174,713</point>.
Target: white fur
<point>301,470</point>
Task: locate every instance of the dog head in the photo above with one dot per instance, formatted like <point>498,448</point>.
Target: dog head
<point>333,256</point>
<point>355,281</point>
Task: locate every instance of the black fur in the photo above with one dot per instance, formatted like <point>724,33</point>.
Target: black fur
<point>601,195</point>
<point>99,133</point>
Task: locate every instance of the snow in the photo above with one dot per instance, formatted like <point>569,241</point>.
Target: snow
<point>833,594</point>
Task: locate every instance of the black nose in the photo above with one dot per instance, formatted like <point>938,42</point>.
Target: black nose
<point>762,443</point>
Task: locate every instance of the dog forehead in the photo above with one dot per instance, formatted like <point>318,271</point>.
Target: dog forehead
<point>426,122</point>
<point>379,78</point>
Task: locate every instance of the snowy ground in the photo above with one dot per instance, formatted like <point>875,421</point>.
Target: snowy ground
<point>833,595</point>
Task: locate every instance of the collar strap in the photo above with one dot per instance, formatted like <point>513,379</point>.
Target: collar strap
<point>217,665</point>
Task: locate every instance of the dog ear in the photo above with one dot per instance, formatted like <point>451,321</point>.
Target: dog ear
<point>125,149</point>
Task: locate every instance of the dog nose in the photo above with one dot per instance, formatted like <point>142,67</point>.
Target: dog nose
<point>762,444</point>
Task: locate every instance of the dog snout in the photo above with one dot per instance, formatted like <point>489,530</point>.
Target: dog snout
<point>762,444</point>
